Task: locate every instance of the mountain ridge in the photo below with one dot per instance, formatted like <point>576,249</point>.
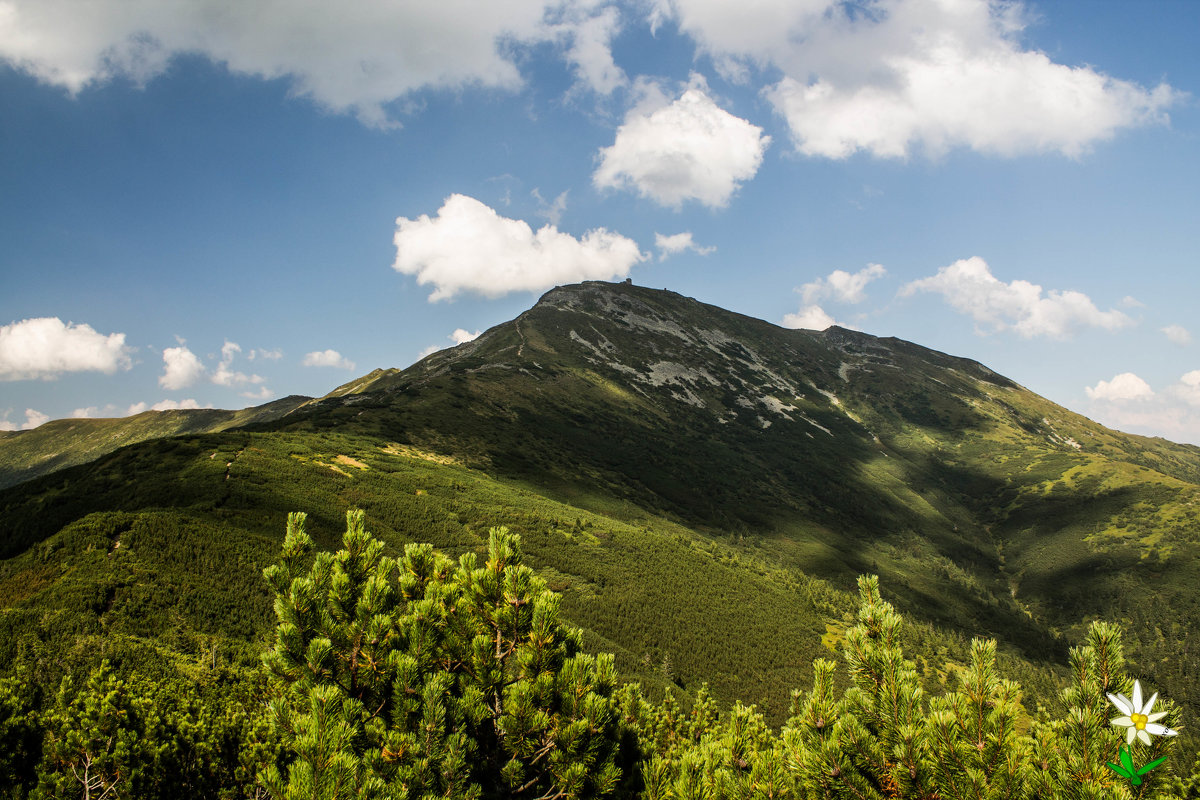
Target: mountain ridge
<point>65,443</point>
<point>610,420</point>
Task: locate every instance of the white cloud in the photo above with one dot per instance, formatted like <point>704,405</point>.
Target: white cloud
<point>811,317</point>
<point>1178,334</point>
<point>891,76</point>
<point>358,60</point>
<point>1129,403</point>
<point>970,288</point>
<point>1122,388</point>
<point>551,212</point>
<point>678,243</point>
<point>263,393</point>
<point>586,34</point>
<point>469,247</point>
<point>108,411</point>
<point>225,375</point>
<point>840,286</point>
<point>689,149</point>
<point>1188,388</point>
<point>139,408</point>
<point>33,418</point>
<point>460,336</point>
<point>845,287</point>
<point>171,405</point>
<point>46,347</point>
<point>327,358</point>
<point>182,368</point>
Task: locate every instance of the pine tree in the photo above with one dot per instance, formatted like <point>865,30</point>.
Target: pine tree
<point>20,736</point>
<point>336,649</point>
<point>1071,754</point>
<point>815,756</point>
<point>878,747</point>
<point>976,751</point>
<point>93,746</point>
<point>421,678</point>
<point>879,741</point>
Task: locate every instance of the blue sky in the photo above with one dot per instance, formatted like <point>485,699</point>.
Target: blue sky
<point>219,204</point>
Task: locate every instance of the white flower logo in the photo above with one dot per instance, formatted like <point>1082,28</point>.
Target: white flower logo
<point>1139,720</point>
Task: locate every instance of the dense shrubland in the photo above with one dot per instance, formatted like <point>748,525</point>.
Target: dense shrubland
<point>413,676</point>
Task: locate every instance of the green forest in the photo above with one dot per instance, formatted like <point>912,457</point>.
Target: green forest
<point>408,674</point>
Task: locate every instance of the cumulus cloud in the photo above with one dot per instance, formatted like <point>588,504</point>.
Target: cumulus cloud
<point>810,317</point>
<point>1187,389</point>
<point>189,404</point>
<point>891,76</point>
<point>46,347</point>
<point>327,358</point>
<point>970,288</point>
<point>689,149</point>
<point>678,243</point>
<point>586,31</point>
<point>1122,388</point>
<point>460,336</point>
<point>1129,403</point>
<point>33,418</point>
<point>1178,334</point>
<point>225,375</point>
<point>359,60</point>
<point>110,410</point>
<point>839,286</point>
<point>170,405</point>
<point>182,368</point>
<point>469,247</point>
<point>260,394</point>
<point>107,411</point>
<point>845,287</point>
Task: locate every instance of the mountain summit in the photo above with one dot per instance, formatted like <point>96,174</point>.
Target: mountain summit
<point>673,467</point>
<point>837,451</point>
<point>724,420</point>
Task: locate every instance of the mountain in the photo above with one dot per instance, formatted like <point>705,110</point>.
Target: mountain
<point>702,488</point>
<point>67,442</point>
<point>836,452</point>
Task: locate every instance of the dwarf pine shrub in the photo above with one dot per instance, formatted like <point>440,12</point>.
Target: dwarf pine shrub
<point>418,677</point>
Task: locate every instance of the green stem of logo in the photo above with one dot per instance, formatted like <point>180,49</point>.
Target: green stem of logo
<point>1126,769</point>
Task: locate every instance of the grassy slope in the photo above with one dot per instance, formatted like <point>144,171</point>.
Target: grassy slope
<point>67,442</point>
<point>146,557</point>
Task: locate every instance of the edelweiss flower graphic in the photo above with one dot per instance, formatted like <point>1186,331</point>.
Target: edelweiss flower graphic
<point>1139,720</point>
